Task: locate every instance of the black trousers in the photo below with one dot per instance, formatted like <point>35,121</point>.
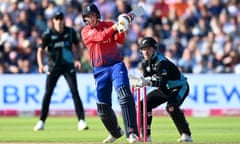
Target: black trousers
<point>156,97</point>
<point>51,81</point>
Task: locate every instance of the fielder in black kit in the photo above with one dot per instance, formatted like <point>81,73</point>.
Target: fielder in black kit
<point>57,44</point>
<point>171,87</point>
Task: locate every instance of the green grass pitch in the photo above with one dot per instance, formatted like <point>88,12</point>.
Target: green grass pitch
<point>205,130</point>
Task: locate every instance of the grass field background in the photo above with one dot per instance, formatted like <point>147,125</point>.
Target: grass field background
<point>205,130</point>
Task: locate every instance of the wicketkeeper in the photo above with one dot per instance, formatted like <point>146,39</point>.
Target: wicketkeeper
<point>171,87</point>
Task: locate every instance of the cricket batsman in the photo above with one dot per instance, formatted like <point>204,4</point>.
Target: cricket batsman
<point>101,39</point>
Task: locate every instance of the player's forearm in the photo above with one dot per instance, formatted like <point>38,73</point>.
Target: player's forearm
<point>40,57</point>
<point>40,60</point>
<point>77,53</point>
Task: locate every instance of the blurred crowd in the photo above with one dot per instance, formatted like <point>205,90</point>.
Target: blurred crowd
<point>199,36</point>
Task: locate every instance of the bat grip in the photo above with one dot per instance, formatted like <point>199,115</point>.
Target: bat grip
<point>131,16</point>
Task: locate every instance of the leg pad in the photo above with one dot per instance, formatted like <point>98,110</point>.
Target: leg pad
<point>109,119</point>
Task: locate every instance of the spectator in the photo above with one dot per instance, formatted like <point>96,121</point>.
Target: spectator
<point>134,55</point>
<point>180,7</point>
<point>2,68</point>
<point>186,62</point>
<point>122,6</point>
<point>23,23</point>
<point>161,8</point>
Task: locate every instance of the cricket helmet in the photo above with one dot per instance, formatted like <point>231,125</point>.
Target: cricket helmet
<point>89,9</point>
<point>147,42</point>
<point>57,13</point>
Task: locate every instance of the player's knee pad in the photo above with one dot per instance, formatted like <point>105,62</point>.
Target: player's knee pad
<point>109,119</point>
<point>171,108</point>
<point>124,95</point>
<point>174,111</point>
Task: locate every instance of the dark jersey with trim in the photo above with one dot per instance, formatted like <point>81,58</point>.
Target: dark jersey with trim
<point>59,47</point>
<point>161,70</point>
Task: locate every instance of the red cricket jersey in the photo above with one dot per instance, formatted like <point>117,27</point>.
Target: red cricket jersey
<point>101,42</point>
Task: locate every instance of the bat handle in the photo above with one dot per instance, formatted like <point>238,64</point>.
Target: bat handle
<point>131,15</point>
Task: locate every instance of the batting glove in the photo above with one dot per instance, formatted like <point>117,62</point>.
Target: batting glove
<point>123,22</point>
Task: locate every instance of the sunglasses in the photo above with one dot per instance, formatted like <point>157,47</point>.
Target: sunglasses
<point>59,17</point>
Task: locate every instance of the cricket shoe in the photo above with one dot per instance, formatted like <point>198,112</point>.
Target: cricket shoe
<point>82,125</point>
<point>132,138</point>
<point>185,138</point>
<point>111,139</point>
<point>39,126</point>
<point>149,139</point>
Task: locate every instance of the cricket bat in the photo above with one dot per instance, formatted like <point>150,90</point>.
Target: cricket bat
<point>137,12</point>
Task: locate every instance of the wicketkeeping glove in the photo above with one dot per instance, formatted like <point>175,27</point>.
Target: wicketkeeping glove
<point>144,82</point>
<point>139,82</point>
<point>123,23</point>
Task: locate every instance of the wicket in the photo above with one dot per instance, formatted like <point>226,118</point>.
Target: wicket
<point>143,90</point>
